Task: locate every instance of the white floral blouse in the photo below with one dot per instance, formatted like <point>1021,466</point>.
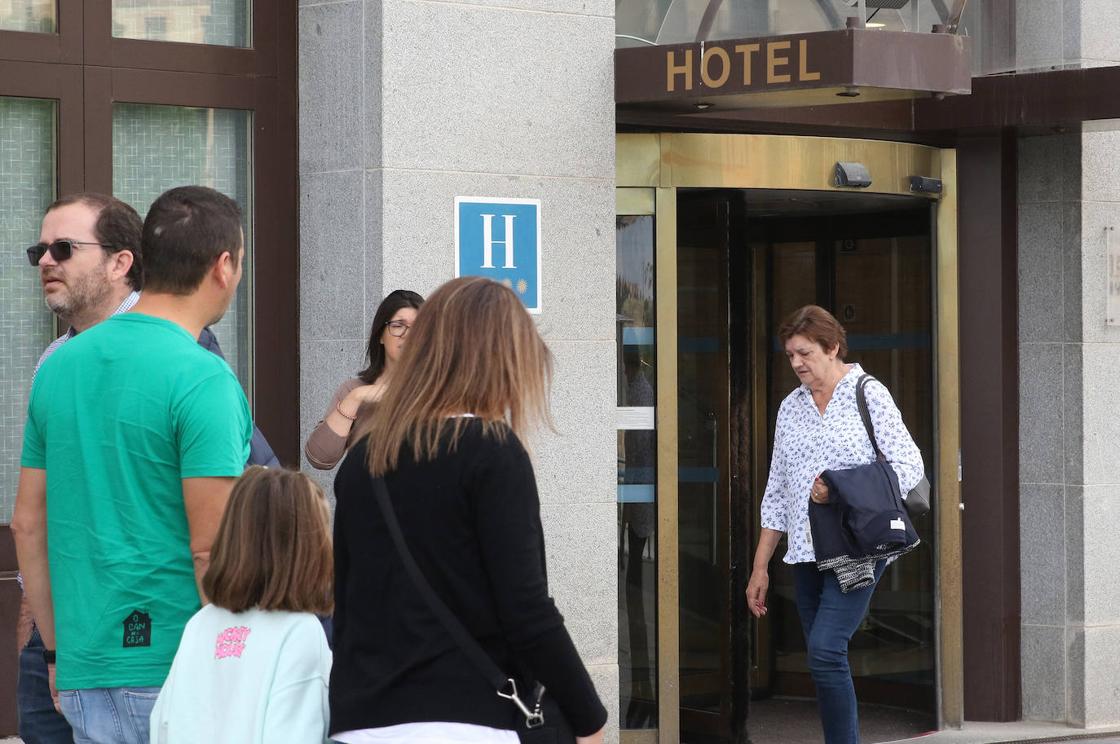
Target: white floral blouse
<point>807,443</point>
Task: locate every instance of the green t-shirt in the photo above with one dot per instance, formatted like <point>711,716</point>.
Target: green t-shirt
<point>118,416</point>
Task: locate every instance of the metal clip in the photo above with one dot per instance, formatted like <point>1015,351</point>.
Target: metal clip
<point>533,718</point>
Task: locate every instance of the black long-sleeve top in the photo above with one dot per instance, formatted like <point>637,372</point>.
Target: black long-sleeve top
<point>471,518</point>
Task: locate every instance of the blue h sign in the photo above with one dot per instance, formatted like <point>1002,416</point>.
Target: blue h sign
<point>500,239</point>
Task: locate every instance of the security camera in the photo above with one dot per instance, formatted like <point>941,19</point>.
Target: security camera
<point>853,175</point>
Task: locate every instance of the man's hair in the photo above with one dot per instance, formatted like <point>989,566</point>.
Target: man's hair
<point>187,228</point>
<point>118,226</point>
<point>273,547</point>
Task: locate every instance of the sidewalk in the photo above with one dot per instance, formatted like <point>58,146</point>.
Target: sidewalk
<point>1017,733</point>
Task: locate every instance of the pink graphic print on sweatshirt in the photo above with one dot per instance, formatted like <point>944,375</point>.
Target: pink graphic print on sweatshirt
<point>231,642</point>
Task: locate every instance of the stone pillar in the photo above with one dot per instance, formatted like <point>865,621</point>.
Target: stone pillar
<point>1049,407</point>
<point>1070,405</point>
<point>1069,431</point>
<point>405,104</point>
<point>1093,498</point>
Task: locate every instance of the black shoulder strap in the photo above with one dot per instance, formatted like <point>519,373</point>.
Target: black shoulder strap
<point>861,403</point>
<point>478,657</point>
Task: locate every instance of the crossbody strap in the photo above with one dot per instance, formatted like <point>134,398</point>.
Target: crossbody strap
<point>478,657</point>
<point>502,683</point>
<point>865,414</point>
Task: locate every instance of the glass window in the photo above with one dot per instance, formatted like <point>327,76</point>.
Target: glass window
<point>35,16</point>
<point>157,147</point>
<point>220,22</point>
<point>637,473</point>
<point>27,187</point>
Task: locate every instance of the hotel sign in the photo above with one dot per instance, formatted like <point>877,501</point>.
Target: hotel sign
<point>800,69</point>
<point>500,239</point>
<point>754,64</point>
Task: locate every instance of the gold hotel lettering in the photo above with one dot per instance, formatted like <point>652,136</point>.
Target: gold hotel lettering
<point>773,62</point>
<point>803,73</point>
<point>716,65</point>
<point>747,50</point>
<point>673,70</point>
<point>724,68</point>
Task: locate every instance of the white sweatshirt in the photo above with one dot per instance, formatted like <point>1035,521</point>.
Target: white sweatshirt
<point>250,677</point>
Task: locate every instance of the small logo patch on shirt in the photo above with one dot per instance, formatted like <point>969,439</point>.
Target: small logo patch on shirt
<point>898,524</point>
<point>231,642</point>
<point>137,629</point>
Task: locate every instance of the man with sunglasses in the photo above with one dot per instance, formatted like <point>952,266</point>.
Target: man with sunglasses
<point>88,260</point>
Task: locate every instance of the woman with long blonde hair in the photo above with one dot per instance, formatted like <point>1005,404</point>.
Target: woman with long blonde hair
<point>445,443</point>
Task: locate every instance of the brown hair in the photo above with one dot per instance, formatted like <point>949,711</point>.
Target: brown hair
<point>818,325</point>
<point>273,548</point>
<point>473,349</point>
<point>186,230</point>
<point>118,226</point>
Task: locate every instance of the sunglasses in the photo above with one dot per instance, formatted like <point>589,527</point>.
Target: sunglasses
<point>60,250</point>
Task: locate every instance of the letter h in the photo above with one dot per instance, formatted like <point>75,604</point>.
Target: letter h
<point>488,241</point>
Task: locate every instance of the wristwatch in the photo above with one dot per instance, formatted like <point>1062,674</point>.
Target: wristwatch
<point>48,655</point>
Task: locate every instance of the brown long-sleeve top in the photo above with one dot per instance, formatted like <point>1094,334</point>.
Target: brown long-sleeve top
<point>324,447</point>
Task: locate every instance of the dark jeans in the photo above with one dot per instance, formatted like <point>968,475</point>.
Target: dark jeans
<point>829,619</point>
<point>39,722</point>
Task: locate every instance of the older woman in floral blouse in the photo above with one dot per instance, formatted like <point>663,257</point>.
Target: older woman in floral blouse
<point>819,428</point>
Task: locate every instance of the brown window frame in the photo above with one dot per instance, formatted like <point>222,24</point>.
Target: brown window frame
<point>86,70</point>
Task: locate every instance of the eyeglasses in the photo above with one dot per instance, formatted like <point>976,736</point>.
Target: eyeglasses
<point>60,250</point>
<point>397,328</point>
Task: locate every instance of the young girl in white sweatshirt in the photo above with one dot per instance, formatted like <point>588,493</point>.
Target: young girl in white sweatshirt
<point>253,665</point>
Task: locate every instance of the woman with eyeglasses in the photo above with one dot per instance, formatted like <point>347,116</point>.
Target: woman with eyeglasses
<point>439,473</point>
<point>331,438</point>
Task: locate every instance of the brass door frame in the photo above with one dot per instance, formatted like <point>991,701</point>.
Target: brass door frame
<point>649,170</point>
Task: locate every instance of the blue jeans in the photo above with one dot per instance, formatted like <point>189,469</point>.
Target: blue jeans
<point>39,722</point>
<point>829,619</point>
<point>113,715</point>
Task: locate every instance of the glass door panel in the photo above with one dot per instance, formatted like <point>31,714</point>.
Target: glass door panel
<point>636,334</point>
<point>158,147</point>
<point>34,16</point>
<point>703,480</point>
<point>27,187</point>
<point>219,22</point>
<point>873,271</point>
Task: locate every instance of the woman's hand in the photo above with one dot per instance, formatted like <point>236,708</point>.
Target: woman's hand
<point>341,418</point>
<point>819,492</point>
<point>756,591</point>
<point>359,396</point>
<point>596,738</point>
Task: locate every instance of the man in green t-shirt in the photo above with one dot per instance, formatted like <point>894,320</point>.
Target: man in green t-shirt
<point>134,435</point>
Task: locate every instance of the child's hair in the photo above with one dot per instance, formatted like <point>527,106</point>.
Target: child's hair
<point>273,548</point>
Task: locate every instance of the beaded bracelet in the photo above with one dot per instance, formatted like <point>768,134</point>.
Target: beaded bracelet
<point>338,407</point>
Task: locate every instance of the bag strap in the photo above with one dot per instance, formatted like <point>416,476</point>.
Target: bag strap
<point>503,684</point>
<point>865,414</point>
